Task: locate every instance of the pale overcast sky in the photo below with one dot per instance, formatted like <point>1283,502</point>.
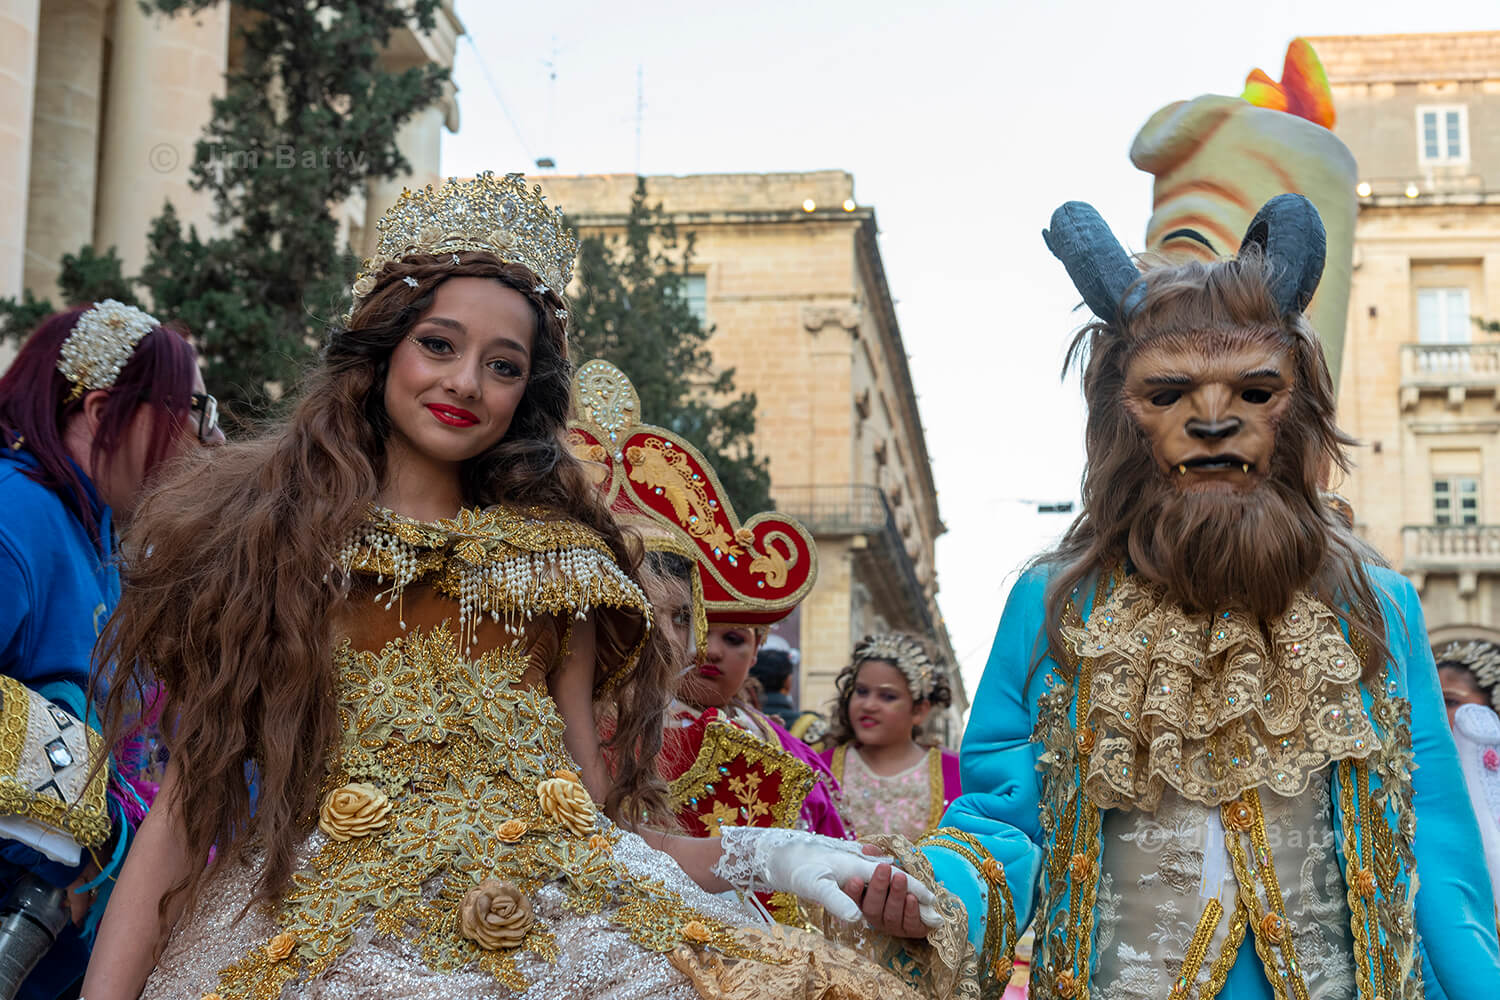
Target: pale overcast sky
<point>964,125</point>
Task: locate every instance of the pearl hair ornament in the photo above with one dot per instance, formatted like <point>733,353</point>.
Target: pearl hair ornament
<point>101,343</point>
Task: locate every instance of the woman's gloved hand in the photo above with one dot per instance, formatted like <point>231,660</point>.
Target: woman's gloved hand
<point>811,867</point>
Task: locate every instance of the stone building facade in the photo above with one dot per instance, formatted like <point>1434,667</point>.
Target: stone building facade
<point>101,107</point>
<point>788,271</point>
<point>1420,386</point>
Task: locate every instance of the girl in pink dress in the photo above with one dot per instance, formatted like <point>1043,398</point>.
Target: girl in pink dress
<point>892,783</point>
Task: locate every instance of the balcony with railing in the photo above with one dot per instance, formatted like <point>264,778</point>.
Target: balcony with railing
<point>1451,547</point>
<point>1437,186</point>
<point>1455,369</point>
<point>861,510</point>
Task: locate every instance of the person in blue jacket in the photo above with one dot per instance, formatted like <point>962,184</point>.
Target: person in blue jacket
<point>96,398</point>
<point>1208,756</point>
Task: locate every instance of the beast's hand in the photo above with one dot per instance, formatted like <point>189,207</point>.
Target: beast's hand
<point>891,901</point>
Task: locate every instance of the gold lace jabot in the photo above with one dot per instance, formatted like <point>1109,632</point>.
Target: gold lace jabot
<point>1213,705</point>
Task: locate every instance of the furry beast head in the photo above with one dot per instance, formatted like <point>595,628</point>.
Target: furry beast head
<point>1250,549</point>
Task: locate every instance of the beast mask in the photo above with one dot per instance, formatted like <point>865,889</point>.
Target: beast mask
<point>1211,416</point>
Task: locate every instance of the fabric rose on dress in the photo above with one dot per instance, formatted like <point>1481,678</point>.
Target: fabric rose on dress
<point>354,810</point>
<point>495,915</point>
<point>696,931</point>
<point>281,946</point>
<point>511,831</point>
<point>568,802</point>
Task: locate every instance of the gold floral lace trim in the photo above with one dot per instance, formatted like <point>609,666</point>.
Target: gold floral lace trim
<point>792,964</point>
<point>998,947</point>
<point>1215,705</point>
<point>511,563</point>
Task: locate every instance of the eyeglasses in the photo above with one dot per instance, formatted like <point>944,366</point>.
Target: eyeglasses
<point>207,409</point>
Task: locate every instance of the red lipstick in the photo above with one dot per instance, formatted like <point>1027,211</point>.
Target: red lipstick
<point>453,416</point>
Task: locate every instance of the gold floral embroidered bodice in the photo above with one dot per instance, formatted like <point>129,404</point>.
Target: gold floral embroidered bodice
<point>452,796</point>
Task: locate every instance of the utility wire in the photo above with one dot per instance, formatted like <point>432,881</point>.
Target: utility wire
<point>495,90</point>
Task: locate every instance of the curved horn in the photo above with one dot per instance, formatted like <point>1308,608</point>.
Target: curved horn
<point>1100,268</point>
<point>1290,233</point>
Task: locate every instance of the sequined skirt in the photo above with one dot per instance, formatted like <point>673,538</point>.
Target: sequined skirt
<point>596,959</point>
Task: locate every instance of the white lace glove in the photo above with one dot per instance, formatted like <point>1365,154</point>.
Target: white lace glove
<point>808,866</point>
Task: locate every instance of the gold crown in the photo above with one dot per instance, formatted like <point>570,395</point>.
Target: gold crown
<point>101,343</point>
<point>500,216</point>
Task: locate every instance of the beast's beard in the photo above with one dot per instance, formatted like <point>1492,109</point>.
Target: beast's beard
<point>1215,550</point>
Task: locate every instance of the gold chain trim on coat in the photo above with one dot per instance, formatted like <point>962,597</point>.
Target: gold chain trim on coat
<point>1272,928</point>
<point>1197,949</point>
<point>1219,975</point>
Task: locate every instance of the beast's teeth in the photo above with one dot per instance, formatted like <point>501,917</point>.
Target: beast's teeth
<point>1182,470</point>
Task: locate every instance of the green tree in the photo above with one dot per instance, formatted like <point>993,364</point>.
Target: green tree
<point>307,119</point>
<point>86,277</point>
<point>631,310</point>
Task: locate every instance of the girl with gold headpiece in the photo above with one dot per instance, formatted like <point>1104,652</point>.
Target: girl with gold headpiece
<point>399,613</point>
<point>892,782</point>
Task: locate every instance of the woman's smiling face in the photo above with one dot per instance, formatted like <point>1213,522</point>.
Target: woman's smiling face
<point>458,376</point>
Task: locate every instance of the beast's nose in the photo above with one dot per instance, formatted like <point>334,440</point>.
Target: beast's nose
<point>1213,430</point>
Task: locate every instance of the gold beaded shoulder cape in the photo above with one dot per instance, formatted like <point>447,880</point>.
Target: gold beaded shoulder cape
<point>456,853</point>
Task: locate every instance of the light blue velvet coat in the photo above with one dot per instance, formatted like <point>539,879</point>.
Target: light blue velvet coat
<point>1455,919</point>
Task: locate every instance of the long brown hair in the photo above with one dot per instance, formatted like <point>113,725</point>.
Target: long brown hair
<point>1123,488</point>
<point>227,602</point>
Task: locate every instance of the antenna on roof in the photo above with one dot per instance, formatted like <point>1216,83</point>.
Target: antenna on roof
<point>640,112</point>
<point>547,162</point>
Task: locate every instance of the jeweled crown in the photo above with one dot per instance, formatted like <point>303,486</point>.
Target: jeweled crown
<point>497,215</point>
